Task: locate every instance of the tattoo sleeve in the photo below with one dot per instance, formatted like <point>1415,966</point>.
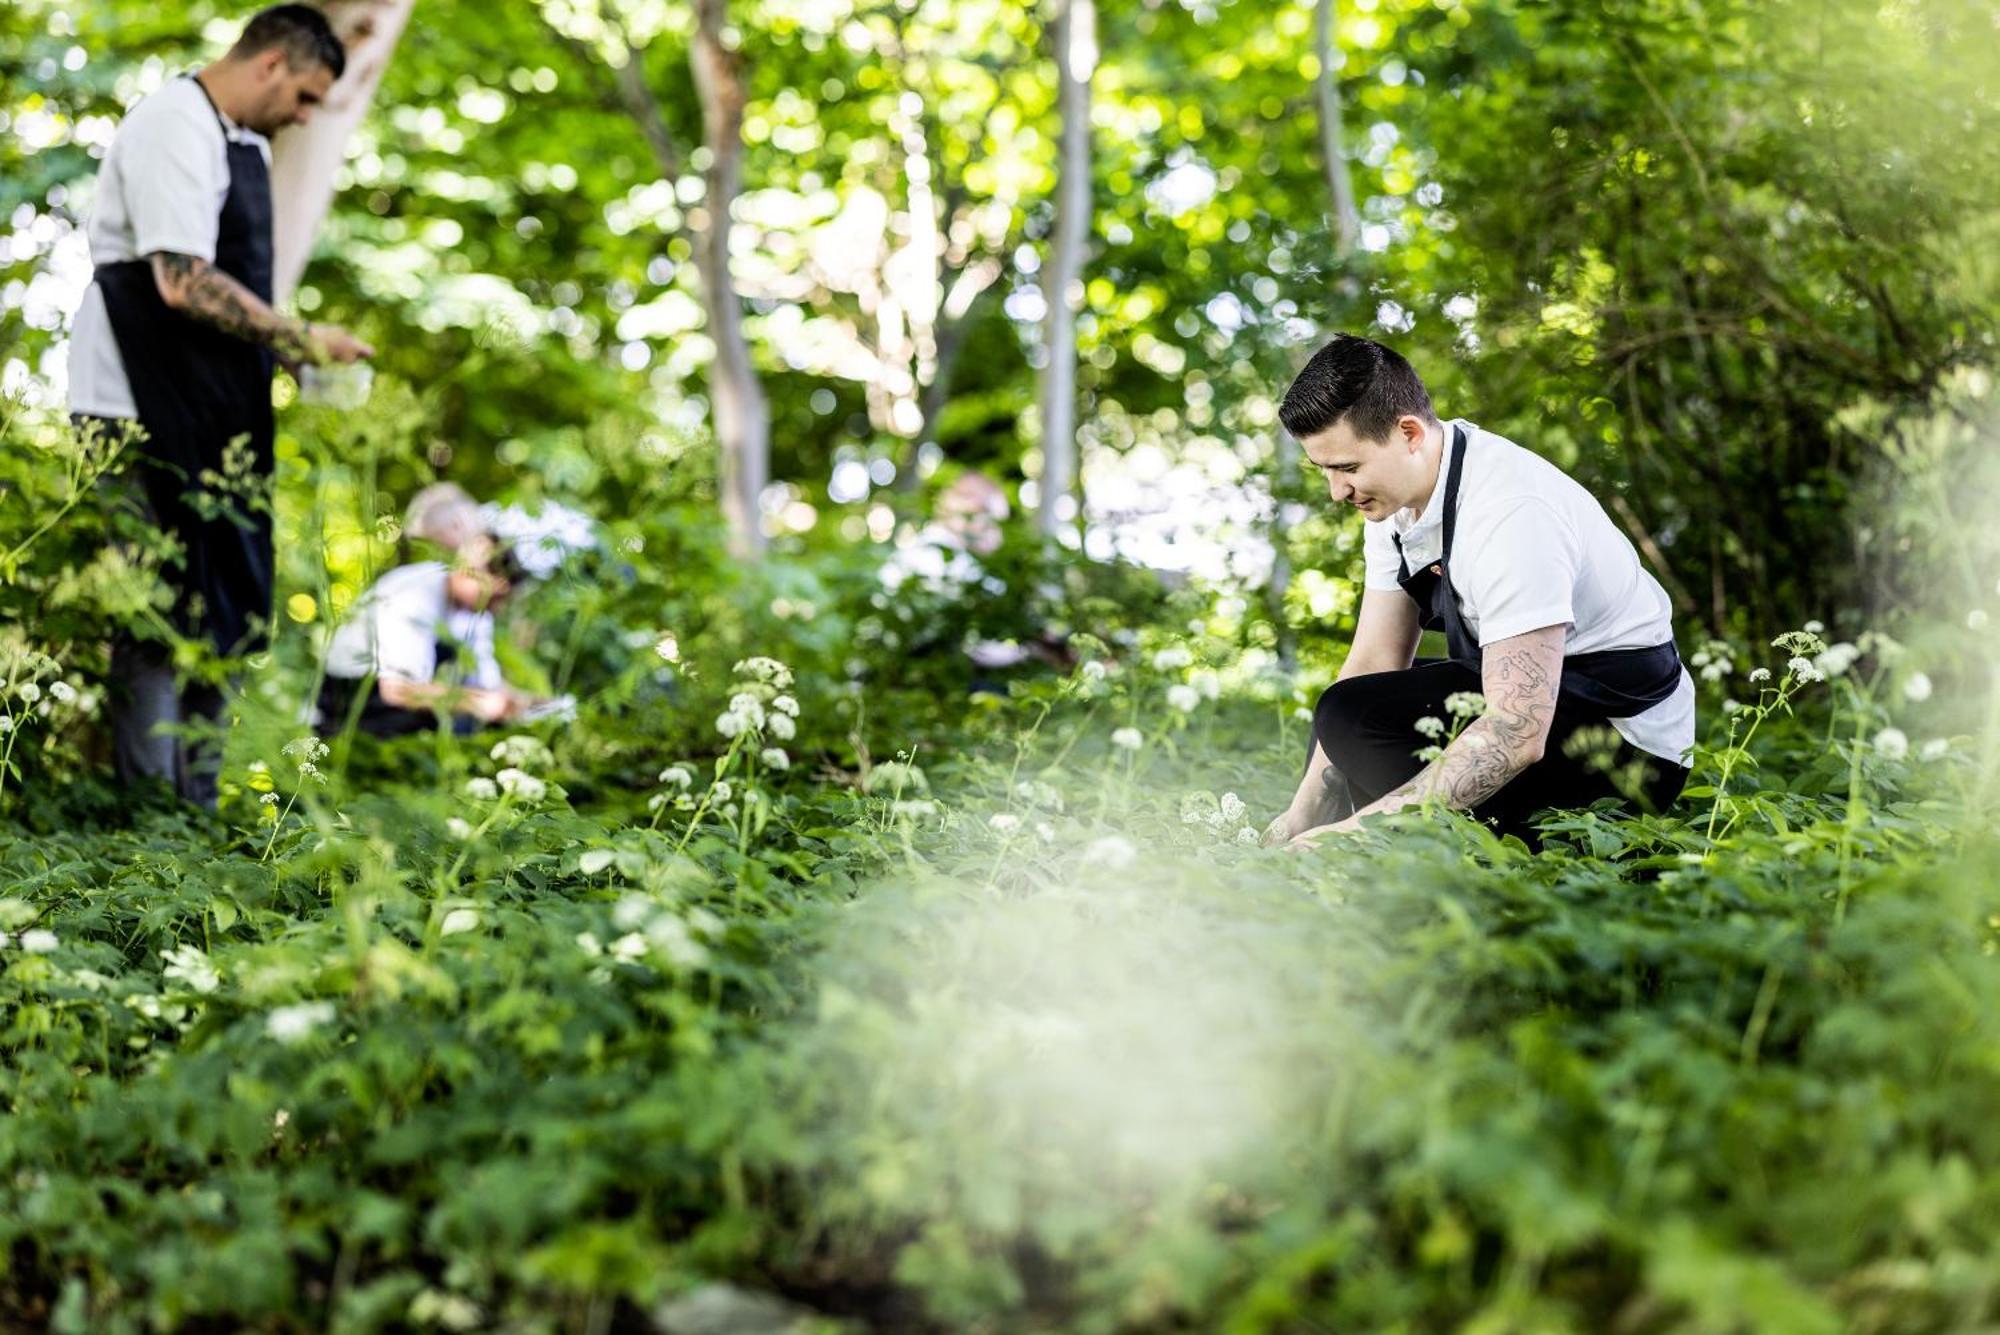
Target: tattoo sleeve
<point>1521,676</point>
<point>204,292</point>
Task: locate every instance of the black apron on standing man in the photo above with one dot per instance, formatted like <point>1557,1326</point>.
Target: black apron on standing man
<point>197,390</point>
<point>1595,688</point>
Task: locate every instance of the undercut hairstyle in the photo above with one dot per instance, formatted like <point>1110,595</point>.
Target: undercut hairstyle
<point>1358,380</point>
<point>300,31</point>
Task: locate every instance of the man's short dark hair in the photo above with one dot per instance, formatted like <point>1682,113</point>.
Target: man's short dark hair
<point>300,31</point>
<point>1357,379</point>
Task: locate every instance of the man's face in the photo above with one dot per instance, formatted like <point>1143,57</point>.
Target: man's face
<point>286,96</point>
<point>1376,477</point>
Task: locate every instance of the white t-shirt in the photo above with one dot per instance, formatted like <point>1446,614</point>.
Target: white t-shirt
<point>161,188</point>
<point>393,631</point>
<point>1532,548</point>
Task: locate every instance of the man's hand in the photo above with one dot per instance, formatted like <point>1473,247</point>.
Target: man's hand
<point>326,344</point>
<point>487,706</point>
<point>1307,840</point>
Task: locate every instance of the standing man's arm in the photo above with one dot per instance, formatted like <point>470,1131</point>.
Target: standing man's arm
<point>1520,677</point>
<point>195,287</point>
<point>1385,640</point>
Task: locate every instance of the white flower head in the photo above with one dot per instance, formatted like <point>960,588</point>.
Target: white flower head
<point>1172,658</point>
<point>1128,739</point>
<point>290,1024</point>
<point>767,670</point>
<point>1111,852</point>
<point>522,752</point>
<point>62,692</point>
<point>781,727</point>
<point>1247,837</point>
<point>913,808</point>
<point>729,724</point>
<point>1233,808</point>
<point>1184,698</point>
<point>631,946</point>
<point>39,941</point>
<point>29,692</point>
<point>520,784</point>
<point>1803,669</point>
<point>1005,822</point>
<point>191,967</point>
<point>1814,628</point>
<point>6,724</point>
<point>1917,688</point>
<point>268,799</point>
<point>669,649</point>
<point>1465,704</point>
<point>786,705</point>
<point>1431,726</point>
<point>1836,659</point>
<point>458,828</point>
<point>774,757</point>
<point>481,790</point>
<point>720,792</point>
<point>1937,748</point>
<point>1892,743</point>
<point>680,776</point>
<point>1093,670</point>
<point>459,920</point>
<point>1759,674</point>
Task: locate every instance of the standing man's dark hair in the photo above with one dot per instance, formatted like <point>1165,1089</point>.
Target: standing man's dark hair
<point>1357,379</point>
<point>300,31</point>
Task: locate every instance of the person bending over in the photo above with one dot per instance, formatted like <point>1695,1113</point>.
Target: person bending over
<point>1543,604</point>
<point>424,635</point>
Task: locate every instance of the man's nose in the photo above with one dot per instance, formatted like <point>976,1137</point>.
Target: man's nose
<point>1339,487</point>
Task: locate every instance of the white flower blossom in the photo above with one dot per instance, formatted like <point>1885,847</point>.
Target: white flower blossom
<point>458,828</point>
<point>1814,628</point>
<point>1005,822</point>
<point>1184,698</point>
<point>1803,669</point>
<point>1917,688</point>
<point>768,670</point>
<point>720,791</point>
<point>786,705</point>
<point>913,808</point>
<point>1093,670</point>
<point>1128,739</point>
<point>1172,658</point>
<point>1937,748</point>
<point>521,752</point>
<point>289,1024</point>
<point>1233,808</point>
<point>1111,852</point>
<point>6,724</point>
<point>669,649</point>
<point>1732,706</point>
<point>677,775</point>
<point>781,727</point>
<point>29,692</point>
<point>62,692</point>
<point>729,724</point>
<point>459,920</point>
<point>1759,674</point>
<point>588,943</point>
<point>38,941</point>
<point>521,784</point>
<point>191,967</point>
<point>1892,743</point>
<point>629,947</point>
<point>1431,726</point>
<point>1465,704</point>
<point>1835,659</point>
<point>774,757</point>
<point>481,790</point>
<point>268,799</point>
<point>1247,837</point>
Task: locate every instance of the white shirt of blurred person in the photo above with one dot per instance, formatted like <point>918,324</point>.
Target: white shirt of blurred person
<point>943,556</point>
<point>412,620</point>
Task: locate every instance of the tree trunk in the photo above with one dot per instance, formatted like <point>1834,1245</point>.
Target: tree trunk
<point>741,415</point>
<point>1075,33</point>
<point>305,158</point>
<point>1346,215</point>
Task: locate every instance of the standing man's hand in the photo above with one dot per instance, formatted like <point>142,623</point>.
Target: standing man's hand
<point>330,344</point>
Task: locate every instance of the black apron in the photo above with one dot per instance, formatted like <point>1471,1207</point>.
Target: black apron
<point>1611,683</point>
<point>198,389</point>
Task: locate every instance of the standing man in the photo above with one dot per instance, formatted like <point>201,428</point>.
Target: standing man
<point>1543,603</point>
<point>178,335</point>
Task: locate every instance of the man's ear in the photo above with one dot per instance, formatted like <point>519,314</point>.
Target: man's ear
<point>1412,429</point>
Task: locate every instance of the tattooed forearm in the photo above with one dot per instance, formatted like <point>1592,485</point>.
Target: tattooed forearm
<point>204,292</point>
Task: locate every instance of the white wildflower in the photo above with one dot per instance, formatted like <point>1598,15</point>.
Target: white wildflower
<point>1917,688</point>
<point>1732,706</point>
<point>1172,659</point>
<point>766,670</point>
<point>1111,852</point>
<point>1093,670</point>
<point>1184,698</point>
<point>62,692</point>
<point>1814,628</point>
<point>1937,748</point>
<point>1431,726</point>
<point>1759,674</point>
<point>459,920</point>
<point>913,809</point>
<point>1005,822</point>
<point>1205,681</point>
<point>458,828</point>
<point>308,748</point>
<point>720,792</point>
<point>781,727</point>
<point>1803,669</point>
<point>29,692</point>
<point>268,799</point>
<point>1128,739</point>
<point>1233,809</point>
<point>38,941</point>
<point>190,966</point>
<point>6,724</point>
<point>521,784</point>
<point>1465,704</point>
<point>669,649</point>
<point>588,943</point>
<point>786,705</point>
<point>729,724</point>
<point>630,947</point>
<point>774,757</point>
<point>1835,659</point>
<point>289,1024</point>
<point>677,775</point>
<point>1892,743</point>
<point>1248,837</point>
<point>521,752</point>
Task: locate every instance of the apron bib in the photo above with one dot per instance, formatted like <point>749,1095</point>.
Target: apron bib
<point>1609,683</point>
<point>198,389</point>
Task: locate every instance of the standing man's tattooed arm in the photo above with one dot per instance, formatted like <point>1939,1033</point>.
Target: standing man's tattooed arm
<point>1520,676</point>
<point>198,289</point>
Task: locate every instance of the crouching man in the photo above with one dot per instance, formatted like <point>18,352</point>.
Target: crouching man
<point>419,644</point>
<point>1544,607</point>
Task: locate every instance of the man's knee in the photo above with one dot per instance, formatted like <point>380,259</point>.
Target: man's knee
<point>1339,716</point>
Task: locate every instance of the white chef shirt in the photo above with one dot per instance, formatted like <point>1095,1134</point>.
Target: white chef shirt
<point>161,188</point>
<point>1533,548</point>
<point>393,631</point>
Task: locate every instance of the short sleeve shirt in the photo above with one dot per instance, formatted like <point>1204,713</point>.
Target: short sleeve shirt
<point>393,631</point>
<point>161,188</point>
<point>1533,548</point>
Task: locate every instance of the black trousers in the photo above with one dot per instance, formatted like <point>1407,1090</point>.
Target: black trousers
<point>1367,726</point>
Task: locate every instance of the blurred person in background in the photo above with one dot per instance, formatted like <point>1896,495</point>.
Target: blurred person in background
<point>178,335</point>
<point>1544,606</point>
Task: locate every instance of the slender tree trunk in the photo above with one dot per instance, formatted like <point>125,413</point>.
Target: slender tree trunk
<point>741,415</point>
<point>1332,142</point>
<point>305,158</point>
<point>1075,33</point>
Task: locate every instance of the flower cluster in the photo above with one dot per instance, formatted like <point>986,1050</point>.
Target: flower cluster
<point>308,751</point>
<point>1227,817</point>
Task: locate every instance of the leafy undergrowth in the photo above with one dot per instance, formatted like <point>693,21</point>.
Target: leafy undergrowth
<point>1016,1030</point>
